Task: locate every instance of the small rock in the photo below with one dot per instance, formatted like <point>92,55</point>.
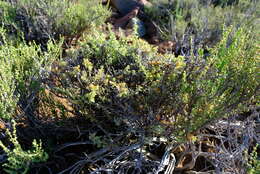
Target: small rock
<point>125,6</point>
<point>139,24</point>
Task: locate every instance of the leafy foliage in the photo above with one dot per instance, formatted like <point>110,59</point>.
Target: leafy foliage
<point>19,160</point>
<point>21,67</point>
<point>196,23</point>
<point>41,20</point>
<point>254,162</point>
<point>126,93</point>
<point>109,75</point>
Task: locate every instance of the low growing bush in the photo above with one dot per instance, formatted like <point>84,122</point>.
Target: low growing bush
<point>21,68</point>
<point>41,20</point>
<point>126,82</point>
<point>193,24</point>
<point>19,160</point>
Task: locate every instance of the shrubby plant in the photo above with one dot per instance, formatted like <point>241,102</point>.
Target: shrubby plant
<point>253,162</point>
<point>100,55</point>
<point>122,85</point>
<point>126,82</point>
<point>80,16</point>
<point>195,24</point>
<point>7,87</point>
<point>19,160</point>
<point>21,68</point>
<point>41,20</point>
<point>7,12</point>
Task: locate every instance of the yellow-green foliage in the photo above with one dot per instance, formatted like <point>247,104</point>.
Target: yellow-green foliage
<point>42,20</point>
<point>222,86</point>
<point>20,67</point>
<point>253,161</point>
<point>7,12</point>
<point>20,160</point>
<point>92,77</point>
<point>202,20</point>
<point>122,84</point>
<point>80,16</point>
<point>7,86</point>
<point>126,79</point>
<point>108,50</point>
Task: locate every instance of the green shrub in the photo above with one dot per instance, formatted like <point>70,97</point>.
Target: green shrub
<point>7,87</point>
<point>41,20</point>
<point>100,54</point>
<point>253,161</point>
<point>221,87</point>
<point>7,12</point>
<point>110,51</point>
<point>21,68</point>
<point>126,82</point>
<point>80,16</point>
<point>19,160</point>
<point>194,24</point>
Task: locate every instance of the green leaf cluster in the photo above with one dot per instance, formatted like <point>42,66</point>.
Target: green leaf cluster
<point>19,160</point>
<point>21,67</point>
<point>124,78</point>
<point>253,164</point>
<point>43,20</point>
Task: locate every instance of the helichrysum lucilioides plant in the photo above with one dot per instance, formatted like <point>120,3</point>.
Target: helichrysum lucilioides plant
<point>126,79</point>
